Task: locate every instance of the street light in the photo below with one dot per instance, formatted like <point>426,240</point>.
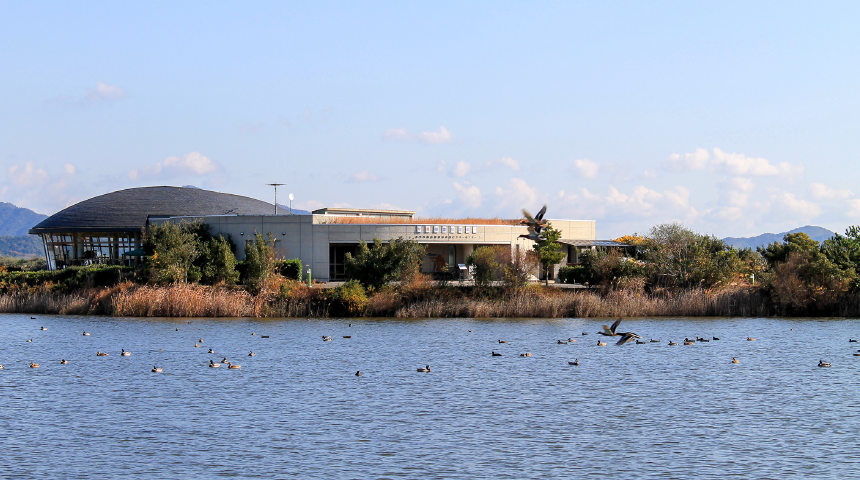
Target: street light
<point>291,202</point>
<point>276,185</point>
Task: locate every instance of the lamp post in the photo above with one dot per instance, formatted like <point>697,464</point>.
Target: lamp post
<point>291,202</point>
<point>276,185</point>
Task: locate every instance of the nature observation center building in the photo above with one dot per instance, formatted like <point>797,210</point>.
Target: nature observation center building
<point>109,229</point>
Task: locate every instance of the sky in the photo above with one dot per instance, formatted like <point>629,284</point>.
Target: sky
<point>734,118</point>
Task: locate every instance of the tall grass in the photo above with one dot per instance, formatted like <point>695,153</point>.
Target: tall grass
<point>414,300</point>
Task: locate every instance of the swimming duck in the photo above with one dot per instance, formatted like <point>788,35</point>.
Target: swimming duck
<point>503,341</point>
<point>347,336</point>
<point>1,367</point>
<point>34,365</point>
<point>196,345</point>
<point>43,329</point>
<point>213,364</point>
<point>233,367</point>
<point>251,354</point>
<point>326,338</point>
<point>640,343</point>
<point>211,351</point>
<point>201,340</point>
<point>358,373</point>
<point>29,340</point>
<point>496,354</point>
<point>822,363</point>
<point>425,369</point>
<point>575,363</point>
<point>716,338</point>
<point>562,342</point>
<point>585,333</point>
<point>64,362</point>
<point>689,342</point>
<point>125,354</point>
<point>654,341</point>
<point>86,333</point>
<point>671,343</point>
<point>735,360</point>
<point>527,354</point>
<point>157,369</point>
<point>101,354</point>
<point>570,340</point>
<point>601,344</point>
<point>750,339</point>
<point>851,340</point>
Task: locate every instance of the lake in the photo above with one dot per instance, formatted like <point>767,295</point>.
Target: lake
<point>297,410</point>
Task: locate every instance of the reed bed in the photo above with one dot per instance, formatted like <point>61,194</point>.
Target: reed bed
<point>188,300</point>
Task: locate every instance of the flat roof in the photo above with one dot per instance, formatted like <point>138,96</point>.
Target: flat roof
<point>592,243</point>
<point>363,211</point>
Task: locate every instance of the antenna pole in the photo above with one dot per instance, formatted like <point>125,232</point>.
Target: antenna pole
<point>276,185</point>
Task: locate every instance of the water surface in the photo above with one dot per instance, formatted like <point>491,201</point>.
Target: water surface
<point>296,409</point>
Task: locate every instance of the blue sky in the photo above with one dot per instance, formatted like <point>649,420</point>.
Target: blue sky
<point>735,118</point>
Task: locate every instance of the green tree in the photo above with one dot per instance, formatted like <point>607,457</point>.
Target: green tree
<point>171,251</point>
<point>259,262</point>
<point>217,261</point>
<point>548,249</point>
<point>379,264</point>
<point>792,242</point>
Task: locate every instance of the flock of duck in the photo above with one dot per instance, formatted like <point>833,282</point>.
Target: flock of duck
<point>607,331</point>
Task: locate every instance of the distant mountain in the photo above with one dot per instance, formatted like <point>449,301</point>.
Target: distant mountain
<point>21,246</point>
<point>15,221</point>
<point>815,233</point>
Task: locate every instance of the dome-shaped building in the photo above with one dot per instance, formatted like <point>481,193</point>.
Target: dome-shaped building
<point>104,228</point>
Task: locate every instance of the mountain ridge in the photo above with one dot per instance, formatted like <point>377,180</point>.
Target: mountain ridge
<point>816,233</point>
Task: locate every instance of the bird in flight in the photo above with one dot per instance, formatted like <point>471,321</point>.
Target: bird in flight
<point>535,223</point>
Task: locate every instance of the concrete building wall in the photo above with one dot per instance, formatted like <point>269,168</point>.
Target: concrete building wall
<point>307,237</point>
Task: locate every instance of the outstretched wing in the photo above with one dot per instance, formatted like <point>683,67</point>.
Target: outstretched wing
<point>541,213</point>
<point>529,217</point>
<point>625,339</point>
<point>615,325</point>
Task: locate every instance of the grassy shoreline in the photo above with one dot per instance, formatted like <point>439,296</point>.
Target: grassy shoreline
<point>189,300</point>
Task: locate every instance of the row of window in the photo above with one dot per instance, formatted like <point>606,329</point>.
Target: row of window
<point>446,229</point>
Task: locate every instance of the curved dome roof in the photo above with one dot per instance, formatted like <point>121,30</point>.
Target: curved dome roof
<point>128,210</point>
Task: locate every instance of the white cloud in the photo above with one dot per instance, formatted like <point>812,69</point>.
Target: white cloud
<point>855,207</point>
<point>104,92</point>
<point>740,164</point>
<point>504,161</point>
<point>193,163</point>
<point>821,191</point>
<point>469,195</point>
<point>736,191</point>
<point>518,194</point>
<point>27,175</point>
<point>363,176</point>
<point>688,161</point>
<point>442,136</point>
<point>41,189</point>
<point>586,168</point>
<point>797,207</point>
<point>461,169</point>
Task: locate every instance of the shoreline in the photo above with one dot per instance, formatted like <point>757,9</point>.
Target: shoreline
<point>190,301</point>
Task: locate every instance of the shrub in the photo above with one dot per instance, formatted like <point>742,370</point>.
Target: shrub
<point>291,269</point>
<point>348,299</point>
<point>489,263</point>
<point>259,262</point>
<point>379,264</point>
<point>573,274</point>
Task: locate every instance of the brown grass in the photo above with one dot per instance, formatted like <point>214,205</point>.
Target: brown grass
<point>416,299</point>
<point>419,221</point>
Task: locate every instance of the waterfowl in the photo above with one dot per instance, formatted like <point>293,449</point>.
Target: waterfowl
<point>570,340</point>
<point>629,336</point>
<point>43,329</point>
<point>358,373</point>
<point>496,354</point>
<point>196,345</point>
<point>822,363</point>
<point>735,360</point>
<point>157,369</point>
<point>264,336</point>
<point>527,354</point>
<point>689,342</point>
<point>857,354</point>
<point>251,354</point>
<point>750,339</point>
<point>347,336</point>
<point>211,351</point>
<point>503,341</point>
<point>233,367</point>
<point>702,340</point>
<point>640,343</point>
<point>224,360</point>
<point>1,367</point>
<point>716,338</point>
<point>851,340</point>
<point>101,354</point>
<point>177,329</point>
<point>654,341</point>
<point>125,354</point>
<point>253,334</point>
<point>34,365</point>
<point>575,363</point>
<point>610,331</point>
<point>425,369</point>
<point>213,364</point>
<point>562,342</point>
<point>601,344</point>
<point>32,318</point>
<point>86,333</point>
<point>585,333</point>
<point>671,343</point>
<point>326,338</point>
<point>29,340</point>
<point>201,340</point>
<point>64,362</point>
